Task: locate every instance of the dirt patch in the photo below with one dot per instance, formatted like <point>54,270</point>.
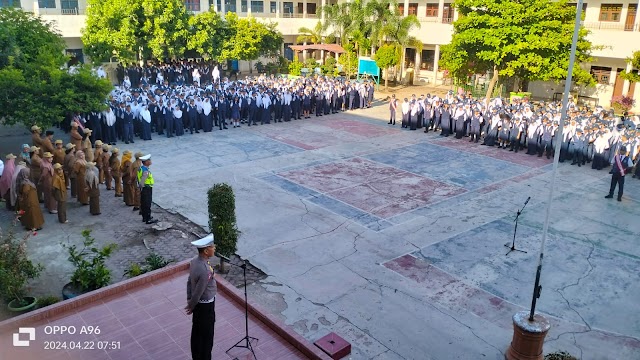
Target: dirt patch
<point>171,239</point>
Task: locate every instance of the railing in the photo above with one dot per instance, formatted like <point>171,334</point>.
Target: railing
<point>607,25</point>
<point>54,11</point>
<point>435,19</point>
<point>73,11</point>
<point>291,15</point>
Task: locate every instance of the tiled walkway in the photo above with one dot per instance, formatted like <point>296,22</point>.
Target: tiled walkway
<point>148,323</point>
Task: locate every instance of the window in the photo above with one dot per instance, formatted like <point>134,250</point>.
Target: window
<point>230,6</point>
<point>610,12</point>
<point>192,5</point>
<point>401,9</point>
<point>447,14</point>
<point>273,7</point>
<point>243,6</point>
<point>10,4</point>
<point>257,6</point>
<point>311,8</point>
<point>288,8</point>
<point>217,5</point>
<point>427,60</point>
<point>601,74</point>
<point>69,7</point>
<point>47,4</point>
<point>413,9</point>
<point>432,10</point>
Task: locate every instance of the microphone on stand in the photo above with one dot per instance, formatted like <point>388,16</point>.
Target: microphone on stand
<point>224,258</point>
<point>526,202</point>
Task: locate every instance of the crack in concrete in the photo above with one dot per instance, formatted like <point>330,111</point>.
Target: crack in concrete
<point>395,290</point>
<point>561,290</point>
<point>343,318</point>
<point>354,248</point>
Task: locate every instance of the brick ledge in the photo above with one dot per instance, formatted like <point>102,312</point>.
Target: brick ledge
<point>284,331</point>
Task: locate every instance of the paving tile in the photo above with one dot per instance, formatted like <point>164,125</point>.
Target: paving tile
<point>150,342</point>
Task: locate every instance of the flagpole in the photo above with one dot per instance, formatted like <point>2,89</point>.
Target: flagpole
<point>556,157</point>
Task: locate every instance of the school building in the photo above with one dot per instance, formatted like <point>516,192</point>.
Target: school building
<point>613,25</point>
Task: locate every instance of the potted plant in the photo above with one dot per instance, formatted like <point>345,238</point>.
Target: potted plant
<point>90,272</point>
<point>16,270</point>
<point>622,103</point>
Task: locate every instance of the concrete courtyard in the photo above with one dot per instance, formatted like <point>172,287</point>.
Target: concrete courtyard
<point>395,239</point>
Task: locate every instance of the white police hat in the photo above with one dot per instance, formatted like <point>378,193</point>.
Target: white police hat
<point>146,157</point>
<point>204,242</point>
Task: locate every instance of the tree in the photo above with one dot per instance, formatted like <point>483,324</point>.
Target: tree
<point>386,57</point>
<point>633,76</point>
<point>349,60</point>
<point>34,85</point>
<point>248,39</point>
<point>222,219</point>
<point>397,30</point>
<point>208,32</point>
<point>526,39</point>
<point>380,12</point>
<point>135,30</point>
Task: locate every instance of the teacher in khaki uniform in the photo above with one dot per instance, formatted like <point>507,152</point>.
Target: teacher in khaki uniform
<point>201,299</point>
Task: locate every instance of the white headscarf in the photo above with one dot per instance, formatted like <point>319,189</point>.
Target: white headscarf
<point>145,114</point>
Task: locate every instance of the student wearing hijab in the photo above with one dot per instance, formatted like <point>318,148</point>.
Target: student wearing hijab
<point>146,123</point>
<point>5,180</point>
<point>32,218</point>
<point>60,193</point>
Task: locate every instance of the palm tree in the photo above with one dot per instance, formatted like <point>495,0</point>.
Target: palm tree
<point>314,36</point>
<point>397,31</point>
<point>379,12</point>
<point>345,18</point>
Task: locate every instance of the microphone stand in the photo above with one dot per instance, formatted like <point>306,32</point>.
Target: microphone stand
<point>246,339</point>
<point>515,229</point>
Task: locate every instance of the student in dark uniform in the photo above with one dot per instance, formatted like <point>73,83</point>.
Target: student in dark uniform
<point>445,120</point>
<point>475,125</point>
<point>393,106</point>
<point>621,165</point>
<point>201,299</point>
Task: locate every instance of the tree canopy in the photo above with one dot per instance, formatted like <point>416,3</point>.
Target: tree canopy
<point>527,39</point>
<point>634,60</point>
<point>248,39</point>
<point>386,56</point>
<point>208,32</point>
<point>131,30</point>
<point>35,87</point>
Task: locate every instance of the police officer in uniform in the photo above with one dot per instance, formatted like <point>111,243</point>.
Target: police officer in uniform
<point>145,182</point>
<point>201,299</point>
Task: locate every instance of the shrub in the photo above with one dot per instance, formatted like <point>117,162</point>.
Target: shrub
<point>152,262</point>
<point>222,219</point>
<point>622,103</point>
<point>91,273</point>
<point>15,267</point>
<point>560,355</point>
<point>295,67</point>
<point>48,300</point>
